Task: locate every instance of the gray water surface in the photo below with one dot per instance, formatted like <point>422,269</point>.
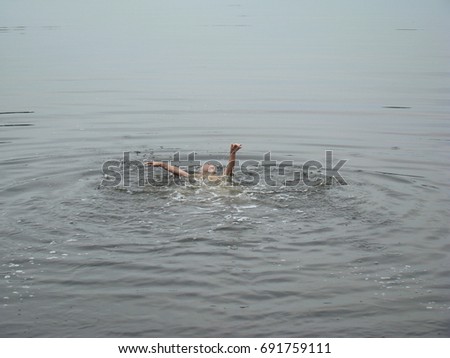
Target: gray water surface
<point>83,82</point>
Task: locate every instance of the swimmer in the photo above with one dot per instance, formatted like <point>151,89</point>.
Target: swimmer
<point>207,171</point>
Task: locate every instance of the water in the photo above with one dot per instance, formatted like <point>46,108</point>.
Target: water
<point>368,81</point>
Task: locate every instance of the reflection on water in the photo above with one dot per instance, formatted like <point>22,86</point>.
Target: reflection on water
<point>78,258</point>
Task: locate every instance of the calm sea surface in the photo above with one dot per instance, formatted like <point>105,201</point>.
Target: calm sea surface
<point>368,80</point>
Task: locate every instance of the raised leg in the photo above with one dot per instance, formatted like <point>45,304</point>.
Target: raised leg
<point>232,160</point>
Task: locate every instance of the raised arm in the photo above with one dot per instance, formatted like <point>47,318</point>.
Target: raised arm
<point>169,168</point>
<point>232,160</point>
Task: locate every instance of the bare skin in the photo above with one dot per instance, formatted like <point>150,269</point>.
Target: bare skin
<point>208,171</point>
<point>232,159</point>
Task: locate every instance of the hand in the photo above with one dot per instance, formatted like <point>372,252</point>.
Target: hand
<point>235,147</point>
<point>153,164</point>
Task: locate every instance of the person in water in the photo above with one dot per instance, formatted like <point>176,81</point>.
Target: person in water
<point>207,171</point>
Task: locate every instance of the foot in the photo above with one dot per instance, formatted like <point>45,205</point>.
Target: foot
<point>235,147</point>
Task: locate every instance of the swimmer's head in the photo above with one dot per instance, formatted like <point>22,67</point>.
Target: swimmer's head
<point>208,169</point>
